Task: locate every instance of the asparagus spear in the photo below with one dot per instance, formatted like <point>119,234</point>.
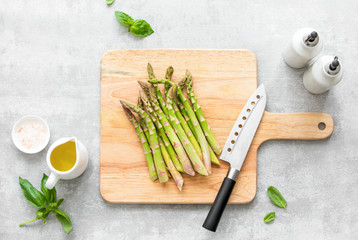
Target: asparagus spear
<point>153,140</point>
<point>152,114</point>
<point>145,88</point>
<point>199,133</point>
<point>199,113</point>
<point>183,158</point>
<point>145,101</point>
<point>179,181</point>
<point>168,76</point>
<point>147,152</point>
<point>186,116</point>
<point>144,127</point>
<point>185,126</point>
<point>145,130</point>
<point>157,90</point>
<point>141,120</point>
<point>213,156</point>
<point>190,150</point>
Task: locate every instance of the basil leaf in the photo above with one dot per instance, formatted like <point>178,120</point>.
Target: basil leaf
<point>50,194</point>
<point>58,203</point>
<point>42,213</point>
<point>124,18</point>
<point>64,219</point>
<point>109,2</point>
<point>35,197</point>
<point>269,217</point>
<point>141,28</point>
<point>276,197</point>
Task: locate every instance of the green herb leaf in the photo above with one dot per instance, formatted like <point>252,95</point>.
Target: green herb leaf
<point>276,197</point>
<point>124,18</point>
<point>50,194</point>
<point>56,204</point>
<point>141,28</point>
<point>270,217</point>
<point>64,219</point>
<point>42,213</point>
<point>109,2</point>
<point>35,197</point>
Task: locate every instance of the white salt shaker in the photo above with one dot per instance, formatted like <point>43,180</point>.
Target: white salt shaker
<point>326,72</point>
<point>304,46</point>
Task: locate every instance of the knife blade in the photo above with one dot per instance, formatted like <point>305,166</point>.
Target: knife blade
<point>235,150</point>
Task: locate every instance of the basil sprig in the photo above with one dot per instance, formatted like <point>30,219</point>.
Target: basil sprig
<point>276,197</point>
<point>139,27</point>
<point>46,202</point>
<point>109,2</point>
<point>269,217</point>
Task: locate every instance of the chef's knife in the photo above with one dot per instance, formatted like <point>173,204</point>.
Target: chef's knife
<point>236,147</point>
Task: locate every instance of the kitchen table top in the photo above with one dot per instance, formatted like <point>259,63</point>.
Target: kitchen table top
<point>50,55</point>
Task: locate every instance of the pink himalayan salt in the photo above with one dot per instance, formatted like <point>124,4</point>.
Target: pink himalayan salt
<point>31,134</point>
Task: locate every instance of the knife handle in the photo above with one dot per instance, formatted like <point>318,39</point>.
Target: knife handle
<point>217,210</point>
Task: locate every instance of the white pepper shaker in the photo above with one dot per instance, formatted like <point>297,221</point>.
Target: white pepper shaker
<point>304,46</point>
<point>326,72</point>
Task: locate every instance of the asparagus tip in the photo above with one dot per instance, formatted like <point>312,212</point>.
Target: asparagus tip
<point>188,73</point>
<point>182,83</point>
<point>151,93</point>
<point>150,71</point>
<point>141,82</point>
<point>123,102</point>
<point>171,90</point>
<point>144,86</point>
<point>127,111</point>
<point>170,70</point>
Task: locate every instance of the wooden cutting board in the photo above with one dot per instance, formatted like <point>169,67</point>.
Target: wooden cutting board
<point>223,82</point>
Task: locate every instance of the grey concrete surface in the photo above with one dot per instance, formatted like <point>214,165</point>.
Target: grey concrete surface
<point>49,65</point>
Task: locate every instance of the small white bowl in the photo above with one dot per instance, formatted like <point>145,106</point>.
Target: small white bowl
<point>23,120</point>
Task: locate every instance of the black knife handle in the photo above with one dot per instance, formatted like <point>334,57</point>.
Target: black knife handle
<point>217,210</point>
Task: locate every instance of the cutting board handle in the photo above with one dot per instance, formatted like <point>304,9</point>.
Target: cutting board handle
<point>300,126</point>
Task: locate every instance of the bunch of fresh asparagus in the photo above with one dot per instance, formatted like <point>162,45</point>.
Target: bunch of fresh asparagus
<point>172,129</point>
